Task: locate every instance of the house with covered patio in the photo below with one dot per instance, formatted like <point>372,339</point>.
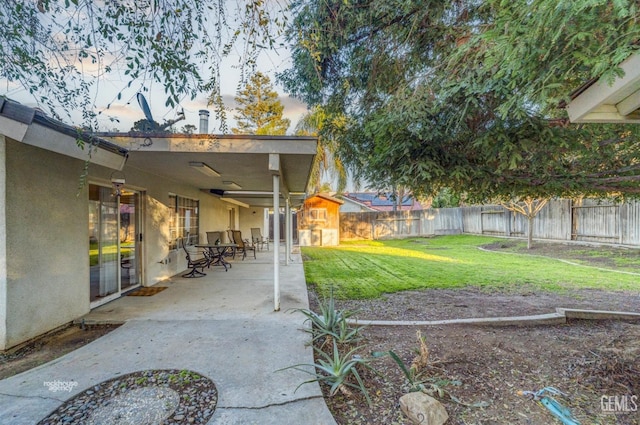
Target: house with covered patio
<point>82,225</point>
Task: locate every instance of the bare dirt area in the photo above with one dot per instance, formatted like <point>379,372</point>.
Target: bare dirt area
<point>586,360</point>
<point>49,347</point>
<point>441,304</point>
<point>605,256</point>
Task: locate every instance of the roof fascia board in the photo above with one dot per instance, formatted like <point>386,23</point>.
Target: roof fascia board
<point>601,92</point>
<point>214,143</point>
<point>629,104</point>
<point>13,129</point>
<point>46,138</point>
<point>329,198</point>
<point>234,202</point>
<point>609,114</point>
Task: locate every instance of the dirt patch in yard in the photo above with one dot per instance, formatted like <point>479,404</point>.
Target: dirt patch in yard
<point>610,257</point>
<point>441,304</point>
<point>586,360</point>
<point>49,347</point>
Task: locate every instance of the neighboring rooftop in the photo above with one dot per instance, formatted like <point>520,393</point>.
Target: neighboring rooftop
<point>384,201</point>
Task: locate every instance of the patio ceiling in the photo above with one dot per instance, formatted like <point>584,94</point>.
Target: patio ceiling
<point>600,102</point>
<point>246,160</point>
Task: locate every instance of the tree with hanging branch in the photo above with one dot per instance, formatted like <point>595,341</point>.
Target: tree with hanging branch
<point>63,51</point>
<point>465,95</point>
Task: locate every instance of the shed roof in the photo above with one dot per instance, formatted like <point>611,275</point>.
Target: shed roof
<point>327,197</point>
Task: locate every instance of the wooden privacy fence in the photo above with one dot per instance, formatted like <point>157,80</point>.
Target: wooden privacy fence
<point>561,219</point>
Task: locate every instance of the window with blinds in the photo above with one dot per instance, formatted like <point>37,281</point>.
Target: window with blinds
<point>184,220</point>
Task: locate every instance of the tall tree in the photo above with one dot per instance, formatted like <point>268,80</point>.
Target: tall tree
<point>317,123</point>
<point>61,51</point>
<point>464,94</point>
<point>260,110</point>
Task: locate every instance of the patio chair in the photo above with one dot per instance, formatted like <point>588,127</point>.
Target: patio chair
<point>258,239</point>
<point>195,263</point>
<point>243,244</point>
<point>231,253</point>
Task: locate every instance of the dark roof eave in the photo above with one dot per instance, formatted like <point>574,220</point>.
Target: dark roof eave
<point>28,115</point>
<point>78,134</point>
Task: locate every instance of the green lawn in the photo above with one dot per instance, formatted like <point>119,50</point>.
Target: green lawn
<point>109,252</point>
<point>367,269</point>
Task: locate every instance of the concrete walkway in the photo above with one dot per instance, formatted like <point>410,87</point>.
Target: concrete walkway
<point>221,326</point>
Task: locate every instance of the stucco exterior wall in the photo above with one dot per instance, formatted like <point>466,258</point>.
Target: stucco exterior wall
<point>215,217</point>
<point>251,217</point>
<point>3,246</point>
<point>44,226</point>
<point>158,262</point>
<point>47,242</point>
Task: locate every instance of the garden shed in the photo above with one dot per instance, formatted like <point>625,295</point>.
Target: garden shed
<point>319,221</point>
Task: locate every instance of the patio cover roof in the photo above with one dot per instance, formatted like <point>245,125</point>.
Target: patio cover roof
<point>245,163</point>
<point>599,102</point>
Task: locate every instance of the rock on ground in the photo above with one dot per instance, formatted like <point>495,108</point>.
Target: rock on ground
<point>423,409</point>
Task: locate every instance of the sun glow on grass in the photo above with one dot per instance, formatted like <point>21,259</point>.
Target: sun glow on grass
<point>399,252</point>
<point>368,269</point>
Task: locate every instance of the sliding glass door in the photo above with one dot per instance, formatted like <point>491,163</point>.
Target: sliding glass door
<point>113,243</point>
<point>129,234</point>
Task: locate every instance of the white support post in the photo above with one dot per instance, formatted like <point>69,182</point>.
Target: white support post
<point>290,233</point>
<point>287,221</point>
<point>276,242</point>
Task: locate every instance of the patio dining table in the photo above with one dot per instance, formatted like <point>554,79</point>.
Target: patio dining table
<point>217,252</point>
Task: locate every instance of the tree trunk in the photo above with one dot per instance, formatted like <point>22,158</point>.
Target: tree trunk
<point>530,232</point>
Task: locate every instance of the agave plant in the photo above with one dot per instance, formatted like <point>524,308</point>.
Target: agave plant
<point>329,321</point>
<point>335,369</point>
<point>346,334</point>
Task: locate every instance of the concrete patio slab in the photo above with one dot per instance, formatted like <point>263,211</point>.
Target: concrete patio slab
<point>221,326</point>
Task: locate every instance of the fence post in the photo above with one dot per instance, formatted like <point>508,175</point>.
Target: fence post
<point>620,239</point>
<point>507,219</point>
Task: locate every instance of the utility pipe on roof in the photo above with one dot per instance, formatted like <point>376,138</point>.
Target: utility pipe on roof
<point>204,121</point>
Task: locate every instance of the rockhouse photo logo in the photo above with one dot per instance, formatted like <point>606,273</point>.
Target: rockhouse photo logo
<point>619,403</point>
<point>56,386</point>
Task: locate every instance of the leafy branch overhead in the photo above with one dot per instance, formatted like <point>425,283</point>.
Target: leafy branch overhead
<point>63,51</point>
<point>465,95</point>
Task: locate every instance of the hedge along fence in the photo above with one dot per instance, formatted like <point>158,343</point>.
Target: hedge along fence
<point>561,219</point>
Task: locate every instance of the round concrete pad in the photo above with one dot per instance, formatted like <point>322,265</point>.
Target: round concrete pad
<point>148,397</point>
